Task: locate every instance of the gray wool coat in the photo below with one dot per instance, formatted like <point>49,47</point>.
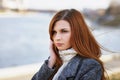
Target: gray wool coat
<point>77,69</point>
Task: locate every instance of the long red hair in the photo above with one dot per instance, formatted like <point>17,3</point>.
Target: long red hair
<point>82,40</point>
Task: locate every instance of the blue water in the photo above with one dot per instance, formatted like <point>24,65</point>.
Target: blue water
<point>108,37</point>
<point>25,39</point>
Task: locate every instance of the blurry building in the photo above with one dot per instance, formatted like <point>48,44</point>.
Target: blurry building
<point>114,8</point>
<point>13,4</point>
<point>1,6</point>
<point>111,16</point>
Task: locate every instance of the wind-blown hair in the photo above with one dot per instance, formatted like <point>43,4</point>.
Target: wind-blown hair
<point>82,40</point>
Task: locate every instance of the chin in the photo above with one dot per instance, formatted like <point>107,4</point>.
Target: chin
<point>60,48</point>
<point>63,48</point>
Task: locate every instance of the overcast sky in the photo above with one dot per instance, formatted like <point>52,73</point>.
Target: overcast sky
<point>61,4</point>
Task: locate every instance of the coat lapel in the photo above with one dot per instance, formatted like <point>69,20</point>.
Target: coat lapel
<point>71,68</point>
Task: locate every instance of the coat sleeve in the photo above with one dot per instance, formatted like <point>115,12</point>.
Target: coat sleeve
<point>90,70</point>
<point>44,73</point>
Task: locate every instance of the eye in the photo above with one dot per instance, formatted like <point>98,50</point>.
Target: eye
<point>64,31</point>
<point>54,32</point>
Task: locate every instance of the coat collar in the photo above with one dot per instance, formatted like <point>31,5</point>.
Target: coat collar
<point>71,68</point>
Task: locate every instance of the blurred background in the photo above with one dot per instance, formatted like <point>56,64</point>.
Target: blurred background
<point>24,37</point>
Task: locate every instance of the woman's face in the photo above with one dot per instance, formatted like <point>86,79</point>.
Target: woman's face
<point>62,34</point>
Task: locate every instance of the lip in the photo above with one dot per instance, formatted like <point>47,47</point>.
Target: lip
<point>58,44</point>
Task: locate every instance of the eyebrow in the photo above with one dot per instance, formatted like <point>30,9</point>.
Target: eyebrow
<point>64,28</point>
<point>61,28</point>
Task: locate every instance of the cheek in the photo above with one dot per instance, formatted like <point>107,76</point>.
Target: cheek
<point>67,39</point>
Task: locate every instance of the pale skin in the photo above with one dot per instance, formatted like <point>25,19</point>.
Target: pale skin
<point>61,39</point>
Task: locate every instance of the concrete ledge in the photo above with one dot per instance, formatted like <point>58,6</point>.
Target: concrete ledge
<point>112,63</point>
<point>110,57</point>
<point>113,71</point>
<point>15,73</point>
<point>27,71</point>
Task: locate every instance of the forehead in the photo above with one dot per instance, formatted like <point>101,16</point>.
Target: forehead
<point>61,24</point>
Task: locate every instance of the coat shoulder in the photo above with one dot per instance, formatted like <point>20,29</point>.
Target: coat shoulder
<point>89,61</point>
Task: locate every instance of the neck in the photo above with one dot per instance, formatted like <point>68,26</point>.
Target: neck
<point>67,55</point>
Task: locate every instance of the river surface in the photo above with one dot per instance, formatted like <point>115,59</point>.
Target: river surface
<point>25,40</point>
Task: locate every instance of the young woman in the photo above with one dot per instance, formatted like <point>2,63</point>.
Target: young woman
<point>74,52</point>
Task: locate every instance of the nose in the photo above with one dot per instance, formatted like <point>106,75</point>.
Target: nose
<point>57,37</point>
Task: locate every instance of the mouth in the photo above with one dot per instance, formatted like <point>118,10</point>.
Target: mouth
<point>59,44</point>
